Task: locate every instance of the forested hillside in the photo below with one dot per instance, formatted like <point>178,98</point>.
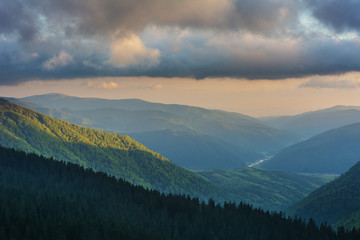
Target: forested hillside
<point>337,202</point>
<point>123,157</point>
<point>268,189</point>
<point>114,154</point>
<point>45,199</point>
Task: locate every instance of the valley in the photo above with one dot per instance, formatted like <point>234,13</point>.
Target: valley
<point>194,161</point>
<point>123,157</point>
<point>179,120</point>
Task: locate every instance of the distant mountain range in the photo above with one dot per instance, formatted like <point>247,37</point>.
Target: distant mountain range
<point>309,124</point>
<point>123,157</point>
<point>197,139</point>
<point>334,151</point>
<point>337,203</point>
<point>242,136</point>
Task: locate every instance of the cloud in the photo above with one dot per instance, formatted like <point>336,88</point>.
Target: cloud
<point>330,83</point>
<point>61,60</point>
<point>253,39</point>
<point>107,16</point>
<point>89,64</point>
<point>158,86</point>
<point>109,85</point>
<point>340,15</point>
<point>252,56</point>
<point>17,20</point>
<point>35,55</point>
<point>102,85</point>
<point>199,54</point>
<point>40,19</point>
<point>132,51</point>
<point>147,87</point>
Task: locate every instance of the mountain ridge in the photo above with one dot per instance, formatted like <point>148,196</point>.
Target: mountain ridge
<point>241,130</point>
<point>25,129</point>
<point>311,123</point>
<point>334,151</point>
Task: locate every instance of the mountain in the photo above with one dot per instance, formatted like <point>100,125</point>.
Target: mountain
<point>337,203</point>
<point>114,154</point>
<point>312,123</point>
<point>334,151</point>
<point>184,146</point>
<point>195,150</point>
<point>45,199</point>
<point>134,115</point>
<point>275,190</point>
<point>52,112</point>
<point>129,121</point>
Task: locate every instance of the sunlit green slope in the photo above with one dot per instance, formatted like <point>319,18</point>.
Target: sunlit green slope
<point>115,154</point>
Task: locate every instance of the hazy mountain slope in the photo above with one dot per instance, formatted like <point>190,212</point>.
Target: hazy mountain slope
<point>60,101</point>
<point>52,112</point>
<point>334,151</point>
<point>311,123</point>
<point>239,130</point>
<point>275,190</point>
<point>189,149</point>
<point>127,121</point>
<point>194,150</point>
<point>45,199</point>
<point>337,202</point>
<point>247,135</point>
<point>115,154</point>
<point>258,138</point>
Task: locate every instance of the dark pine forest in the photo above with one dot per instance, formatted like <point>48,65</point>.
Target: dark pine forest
<point>46,199</point>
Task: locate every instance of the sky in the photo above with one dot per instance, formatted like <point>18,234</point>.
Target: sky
<point>257,57</point>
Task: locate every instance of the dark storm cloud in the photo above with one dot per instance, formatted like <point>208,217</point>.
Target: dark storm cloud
<point>15,19</point>
<point>65,39</point>
<point>277,60</point>
<point>264,16</point>
<point>342,15</point>
<point>324,83</point>
<point>86,18</point>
